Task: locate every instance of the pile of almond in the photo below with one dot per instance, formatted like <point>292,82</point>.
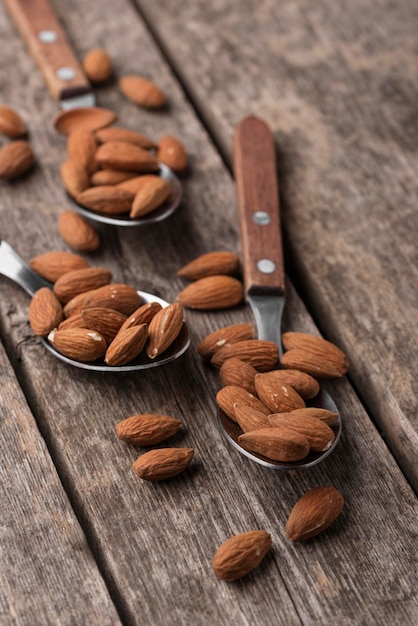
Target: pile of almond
<point>271,406</point>
<point>86,317</point>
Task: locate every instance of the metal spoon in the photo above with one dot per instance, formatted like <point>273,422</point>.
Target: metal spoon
<point>13,267</point>
<point>258,204</point>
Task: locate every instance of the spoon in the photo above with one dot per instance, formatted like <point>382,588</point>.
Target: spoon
<point>157,215</point>
<point>263,264</point>
<point>13,267</point>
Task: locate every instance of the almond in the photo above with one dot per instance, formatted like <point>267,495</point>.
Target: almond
<point>45,312</point>
<point>78,232</point>
<point>111,177</point>
<point>152,194</point>
<point>314,512</point>
<point>142,315</point>
<point>212,292</point>
<point>147,429</point>
<point>79,344</point>
<point>235,372</point>
<point>127,345</point>
<point>230,395</point>
<point>224,336</point>
<point>318,357</point>
<point>126,135</point>
<point>326,416</point>
<point>306,386</point>
<point>74,177</point>
<point>261,354</point>
<point>81,149</point>
<point>134,184</point>
<point>278,444</point>
<point>172,153</point>
<point>320,436</point>
<point>16,158</point>
<point>163,329</point>
<point>106,321</point>
<point>122,155</point>
<point>83,118</point>
<point>163,463</point>
<point>11,124</point>
<point>116,296</point>
<point>142,91</point>
<point>97,65</point>
<point>241,554</point>
<point>210,264</point>
<point>52,265</point>
<point>75,282</point>
<point>249,418</point>
<point>75,321</point>
<point>106,199</point>
<point>277,396</point>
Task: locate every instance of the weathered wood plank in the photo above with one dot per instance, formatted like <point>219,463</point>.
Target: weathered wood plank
<point>155,542</point>
<point>337,83</point>
<point>48,574</point>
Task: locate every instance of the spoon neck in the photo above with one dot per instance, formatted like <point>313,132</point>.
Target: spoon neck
<point>13,267</point>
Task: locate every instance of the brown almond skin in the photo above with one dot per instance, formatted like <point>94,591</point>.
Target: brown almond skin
<point>277,396</point>
<point>323,358</point>
<point>314,512</point>
<point>249,418</point>
<point>142,315</point>
<point>106,321</point>
<point>210,264</point>
<point>305,385</point>
<point>75,321</point>
<point>326,416</point>
<point>11,123</point>
<point>127,345</point>
<point>319,435</point>
<point>125,134</point>
<point>106,199</point>
<point>78,232</point>
<point>262,355</point>
<point>142,92</point>
<point>52,265</point>
<point>16,158</point>
<point>277,444</point>
<point>164,328</point>
<point>79,344</point>
<point>45,312</point>
<point>241,554</point>
<point>235,372</point>
<point>212,292</point>
<point>230,395</point>
<point>150,196</point>
<point>122,155</point>
<point>172,153</point>
<point>73,283</point>
<point>97,65</point>
<point>74,177</point>
<point>147,429</point>
<point>81,149</point>
<point>109,176</point>
<point>163,463</point>
<point>224,336</point>
<point>83,118</point>
<point>117,296</point>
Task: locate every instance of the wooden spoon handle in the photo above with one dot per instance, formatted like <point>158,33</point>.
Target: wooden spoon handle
<point>258,205</point>
<point>49,47</point>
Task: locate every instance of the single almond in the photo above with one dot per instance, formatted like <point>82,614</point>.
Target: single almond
<point>74,177</point>
<point>142,91</point>
<point>320,436</point>
<point>249,418</point>
<point>261,354</point>
<point>125,134</point>
<point>306,386</point>
<point>163,329</point>
<point>142,315</point>
<point>11,123</point>
<point>81,149</point>
<point>224,336</point>
<point>119,296</point>
<point>75,321</point>
<point>277,444</point>
<point>230,395</point>
<point>51,265</point>
<point>210,264</point>
<point>79,344</point>
<point>136,183</point>
<point>97,65</point>
<point>106,199</point>
<point>45,312</point>
<point>122,155</point>
<point>127,345</point>
<point>241,554</point>
<point>83,118</point>
<point>111,177</point>
<point>151,195</point>
<point>78,232</point>
<point>322,358</point>
<point>147,429</point>
<point>106,321</point>
<point>163,463</point>
<point>212,292</point>
<point>172,153</point>
<point>16,158</point>
<point>314,512</point>
<point>235,372</point>
<point>277,396</point>
<point>75,282</point>
<point>326,416</point>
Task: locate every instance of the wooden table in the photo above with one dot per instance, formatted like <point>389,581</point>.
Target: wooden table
<point>83,540</point>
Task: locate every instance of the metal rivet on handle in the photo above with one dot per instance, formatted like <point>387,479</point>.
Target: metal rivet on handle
<point>266,266</point>
<point>66,73</point>
<point>47,36</point>
<point>261,217</point>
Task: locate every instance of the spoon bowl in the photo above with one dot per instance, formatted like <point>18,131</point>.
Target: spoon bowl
<point>13,267</point>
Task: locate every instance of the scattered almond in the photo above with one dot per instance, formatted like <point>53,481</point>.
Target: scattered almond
<point>278,444</point>
<point>212,292</point>
<point>78,232</point>
<point>172,153</point>
<point>163,463</point>
<point>51,265</point>
<point>241,554</point>
<point>127,345</point>
<point>210,264</point>
<point>79,344</point>
<point>163,329</point>
<point>16,158</point>
<point>261,354</point>
<point>142,91</point>
<point>314,512</point>
<point>224,336</point>
<point>147,429</point>
<point>11,123</point>
<point>45,312</point>
<point>97,65</point>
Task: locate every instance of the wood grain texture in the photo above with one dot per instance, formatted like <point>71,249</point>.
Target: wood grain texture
<point>154,542</point>
<point>336,82</point>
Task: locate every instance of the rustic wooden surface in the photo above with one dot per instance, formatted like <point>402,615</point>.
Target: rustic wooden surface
<point>153,544</point>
